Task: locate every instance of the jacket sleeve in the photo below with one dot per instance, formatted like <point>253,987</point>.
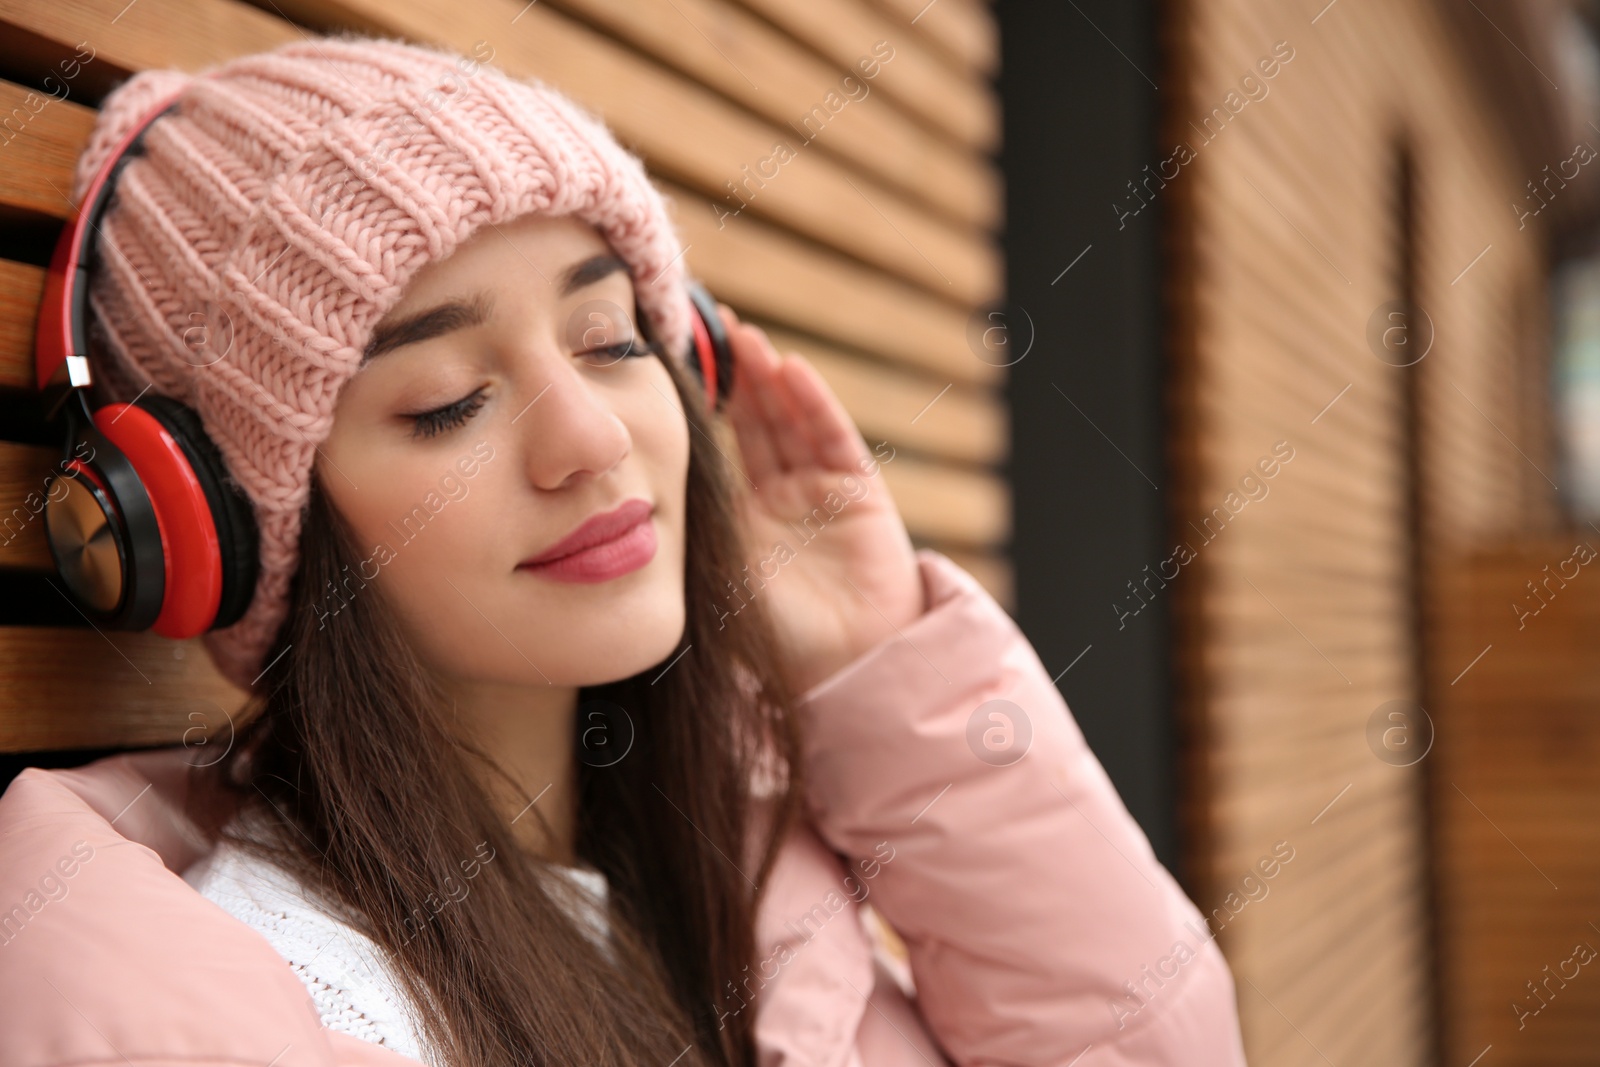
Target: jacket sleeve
<point>1040,927</point>
<point>108,957</point>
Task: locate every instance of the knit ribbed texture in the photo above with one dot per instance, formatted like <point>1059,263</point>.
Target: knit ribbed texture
<point>277,216</point>
<point>346,973</point>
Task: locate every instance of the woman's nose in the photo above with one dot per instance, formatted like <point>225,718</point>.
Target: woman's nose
<point>571,426</point>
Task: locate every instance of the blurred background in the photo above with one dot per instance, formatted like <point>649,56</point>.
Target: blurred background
<point>1247,351</point>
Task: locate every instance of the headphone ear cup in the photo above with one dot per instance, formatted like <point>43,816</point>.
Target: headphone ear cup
<point>712,353</point>
<point>237,535</point>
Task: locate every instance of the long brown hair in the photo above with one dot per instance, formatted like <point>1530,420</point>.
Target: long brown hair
<point>370,801</point>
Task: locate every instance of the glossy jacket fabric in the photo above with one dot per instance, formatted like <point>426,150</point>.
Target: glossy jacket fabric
<point>1040,928</point>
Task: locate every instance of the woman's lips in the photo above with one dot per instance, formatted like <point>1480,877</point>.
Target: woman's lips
<point>629,551</point>
<point>597,528</point>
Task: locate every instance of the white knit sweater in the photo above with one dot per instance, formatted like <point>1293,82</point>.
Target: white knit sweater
<point>346,973</point>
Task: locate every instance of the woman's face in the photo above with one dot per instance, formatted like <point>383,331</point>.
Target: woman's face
<point>561,421</point>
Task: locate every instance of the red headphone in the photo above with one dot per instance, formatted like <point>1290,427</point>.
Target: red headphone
<point>148,529</point>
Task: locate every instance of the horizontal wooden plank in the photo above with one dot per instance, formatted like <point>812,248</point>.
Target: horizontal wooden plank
<point>130,37</point>
<point>965,31</point>
<point>745,58</point>
<point>71,688</point>
<point>773,274</point>
<point>946,505</point>
<point>933,416</point>
<point>21,289</point>
<point>966,109</point>
<point>23,473</point>
<point>41,148</point>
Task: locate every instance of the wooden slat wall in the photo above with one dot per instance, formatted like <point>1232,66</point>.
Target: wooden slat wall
<point>868,252</point>
<point>1297,622</point>
<point>1517,788</point>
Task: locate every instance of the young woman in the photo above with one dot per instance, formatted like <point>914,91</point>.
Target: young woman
<point>572,738</point>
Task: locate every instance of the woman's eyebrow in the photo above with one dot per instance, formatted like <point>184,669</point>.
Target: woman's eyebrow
<point>474,310</point>
<point>589,271</point>
<point>455,314</point>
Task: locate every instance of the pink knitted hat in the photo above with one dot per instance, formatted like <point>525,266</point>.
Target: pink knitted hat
<point>287,202</point>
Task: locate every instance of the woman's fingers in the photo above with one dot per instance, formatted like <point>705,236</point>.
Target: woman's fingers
<point>756,446</point>
<point>767,417</point>
<point>791,420</point>
<point>836,440</point>
<point>785,420</point>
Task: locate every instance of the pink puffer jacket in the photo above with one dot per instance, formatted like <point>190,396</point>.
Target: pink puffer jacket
<point>1041,930</point>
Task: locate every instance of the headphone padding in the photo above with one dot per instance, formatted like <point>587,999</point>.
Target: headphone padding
<point>237,535</point>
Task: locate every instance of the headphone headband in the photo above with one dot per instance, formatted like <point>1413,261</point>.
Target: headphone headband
<point>61,341</point>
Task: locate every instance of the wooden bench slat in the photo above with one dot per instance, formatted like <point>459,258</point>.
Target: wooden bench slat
<point>72,688</point>
<point>23,471</point>
<point>127,39</point>
<point>21,290</point>
<point>41,139</point>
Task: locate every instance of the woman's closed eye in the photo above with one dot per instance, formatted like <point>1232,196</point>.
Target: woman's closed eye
<point>632,347</point>
<point>430,423</point>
